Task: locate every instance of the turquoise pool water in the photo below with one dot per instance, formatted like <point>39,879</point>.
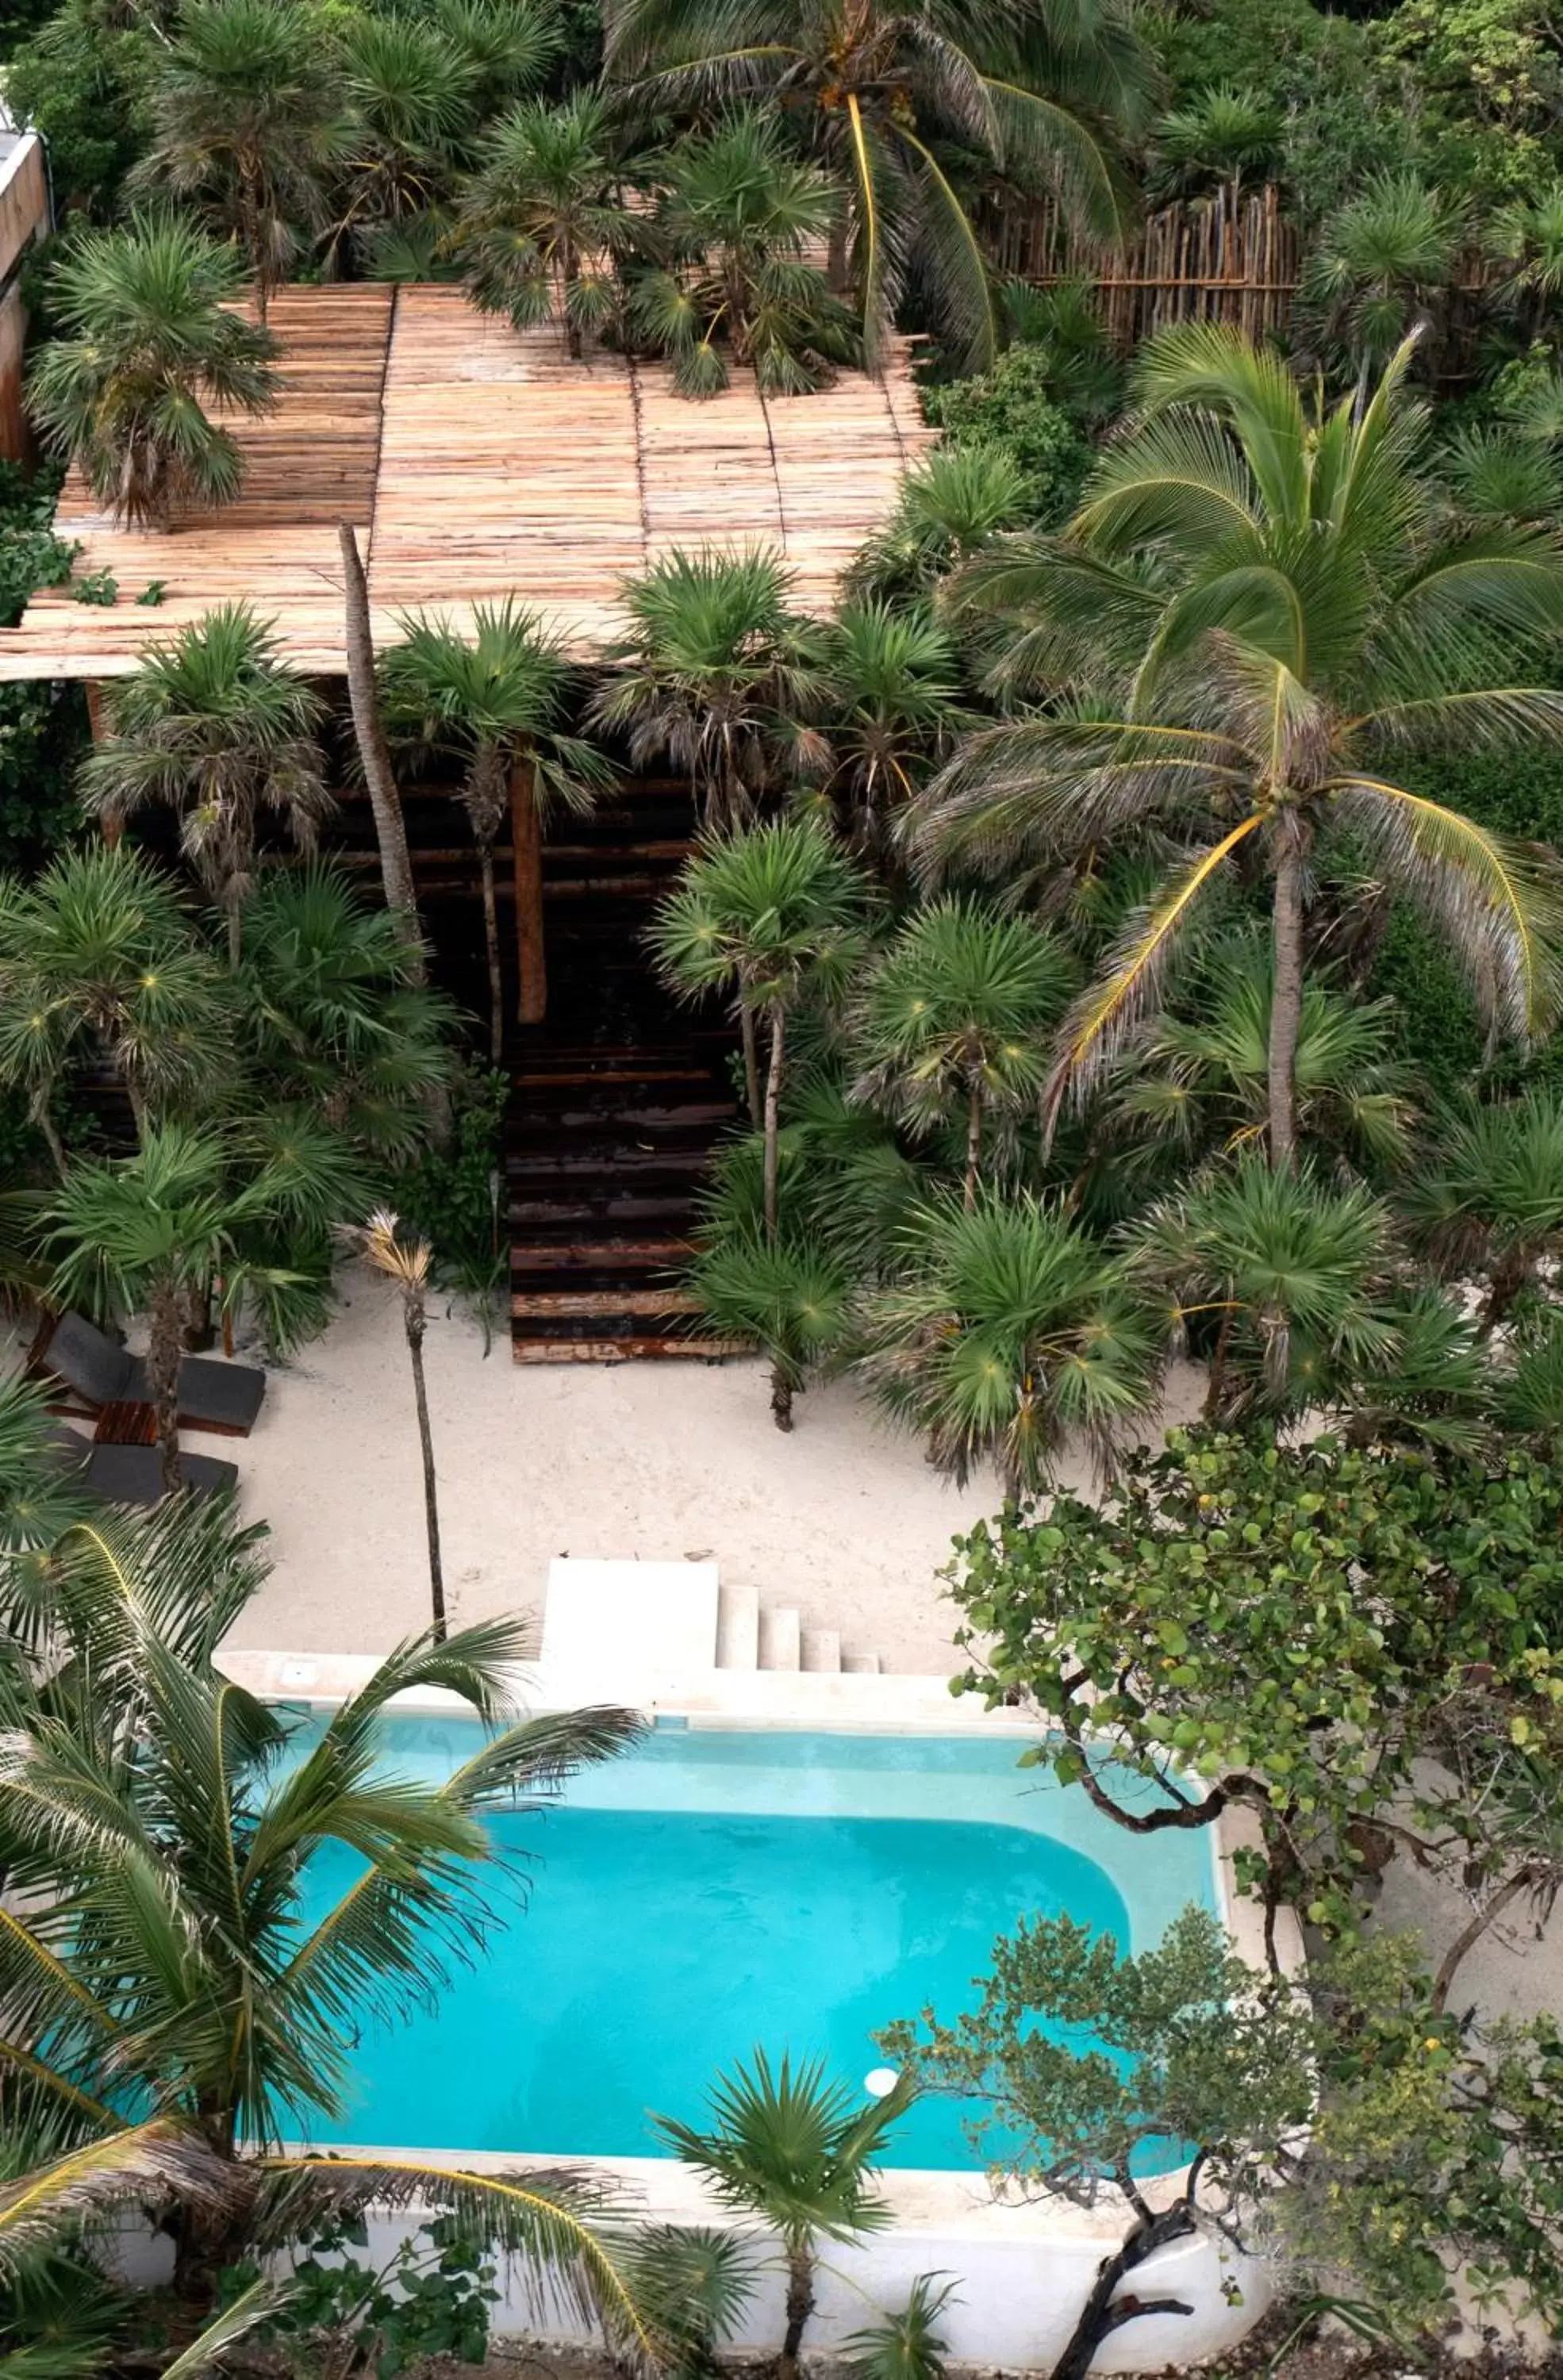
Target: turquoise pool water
<point>716,1889</point>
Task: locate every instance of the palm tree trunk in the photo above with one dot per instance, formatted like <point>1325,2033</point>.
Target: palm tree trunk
<point>751,1065</point>
<point>417,1322</point>
<point>47,1131</point>
<point>526,845</point>
<point>772,1106</point>
<point>974,1145</point>
<point>800,2305</point>
<point>235,916</point>
<point>780,1398</point>
<point>374,754</point>
<point>490,937</point>
<point>164,1347</point>
<point>1286,1003</point>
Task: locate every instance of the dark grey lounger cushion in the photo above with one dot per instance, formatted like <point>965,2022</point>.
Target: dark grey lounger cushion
<point>133,1474</point>
<point>229,1394</point>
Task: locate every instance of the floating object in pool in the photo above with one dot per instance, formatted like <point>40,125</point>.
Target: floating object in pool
<point>880,2080</point>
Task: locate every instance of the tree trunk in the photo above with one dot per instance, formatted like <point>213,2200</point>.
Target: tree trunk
<point>526,843</point>
<point>374,754</point>
<point>751,1064</point>
<point>234,919</point>
<point>492,943</point>
<point>780,1397</point>
<point>800,2305</point>
<point>772,1104</point>
<point>1100,2317</point>
<point>974,1145</point>
<point>416,1323</point>
<point>1286,1004</point>
<point>164,1347</point>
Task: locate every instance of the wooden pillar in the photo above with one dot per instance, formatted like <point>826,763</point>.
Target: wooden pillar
<point>113,828</point>
<point>526,839</point>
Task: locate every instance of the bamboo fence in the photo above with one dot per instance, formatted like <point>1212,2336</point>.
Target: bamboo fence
<point>1232,258</point>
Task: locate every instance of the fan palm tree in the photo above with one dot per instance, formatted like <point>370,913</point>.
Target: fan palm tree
<point>788,1296</point>
<point>543,222</point>
<point>411,92</point>
<point>213,725</point>
<point>1219,137</point>
<point>889,97</point>
<point>769,914</point>
<point>495,701</point>
<point>739,213</point>
<point>1196,1080</point>
<point>39,1500</point>
<point>1264,611</point>
<point>159,1831</point>
<point>156,1230</point>
<point>789,2145</point>
<point>1489,1195</point>
<point>1005,1328</point>
<point>149,338</point>
<point>406,1262</point>
<point>890,703</point>
<point>249,121</point>
<point>955,1021</point>
<point>715,660</point>
<point>100,962</point>
<point>951,503</point>
<point>1377,264</point>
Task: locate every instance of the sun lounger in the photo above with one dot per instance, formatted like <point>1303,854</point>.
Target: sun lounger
<point>133,1474</point>
<point>215,1396</point>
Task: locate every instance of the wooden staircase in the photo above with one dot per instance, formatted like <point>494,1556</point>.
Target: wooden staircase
<point>617,1102</point>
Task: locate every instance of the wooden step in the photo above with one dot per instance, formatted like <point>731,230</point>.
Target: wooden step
<point>781,1635</point>
<point>861,1665</point>
<point>569,1305</point>
<point>819,1649</point>
<point>608,1253</point>
<point>626,1350</point>
<point>737,1644</point>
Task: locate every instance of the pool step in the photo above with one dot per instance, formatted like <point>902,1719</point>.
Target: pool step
<point>781,1635</point>
<point>738,1621</point>
<point>820,1648</point>
<point>861,1665</point>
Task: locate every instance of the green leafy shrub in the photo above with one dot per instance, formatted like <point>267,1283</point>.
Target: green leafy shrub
<point>1015,407</point>
<point>452,1194</point>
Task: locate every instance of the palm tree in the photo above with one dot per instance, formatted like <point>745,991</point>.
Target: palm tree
<point>156,1230</point>
<point>739,214</point>
<point>217,726</point>
<point>1489,1195</point>
<point>796,2149</point>
<point>889,98</point>
<point>890,703</point>
<point>249,121</point>
<point>788,1296</point>
<point>159,1836</point>
<point>769,914</point>
<point>406,1262</point>
<point>100,962</point>
<point>1005,1328</point>
<point>374,752</point>
<point>543,223</point>
<point>715,661</point>
<point>149,338</point>
<point>1378,264</point>
<point>1196,1080</point>
<point>411,90</point>
<point>954,501</point>
<point>955,1018</point>
<point>493,703</point>
<point>39,1500</point>
<point>1220,136</point>
<point>1262,603</point>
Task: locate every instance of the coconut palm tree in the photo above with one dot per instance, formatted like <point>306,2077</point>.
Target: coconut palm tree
<point>738,216</point>
<point>1258,599</point>
<point>795,2149</point>
<point>770,916</point>
<point>160,1831</point>
<point>543,223</point>
<point>100,962</point>
<point>897,102</point>
<point>1488,1197</point>
<point>39,1500</point>
<point>495,701</point>
<point>954,1021</point>
<point>406,1262</point>
<point>788,1296</point>
<point>715,660</point>
<point>149,338</point>
<point>249,121</point>
<point>374,752</point>
<point>1004,1329</point>
<point>889,704</point>
<point>155,1232</point>
<point>215,725</point>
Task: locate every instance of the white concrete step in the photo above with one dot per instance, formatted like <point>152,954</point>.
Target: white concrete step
<point>737,1636</point>
<point>780,1636</point>
<point>820,1648</point>
<point>861,1665</point>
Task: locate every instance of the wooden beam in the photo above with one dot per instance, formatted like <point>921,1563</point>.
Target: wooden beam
<point>526,841</point>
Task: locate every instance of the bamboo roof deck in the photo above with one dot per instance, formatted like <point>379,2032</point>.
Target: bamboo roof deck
<point>476,462</point>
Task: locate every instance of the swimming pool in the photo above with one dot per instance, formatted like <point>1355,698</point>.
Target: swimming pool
<point>719,1887</point>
